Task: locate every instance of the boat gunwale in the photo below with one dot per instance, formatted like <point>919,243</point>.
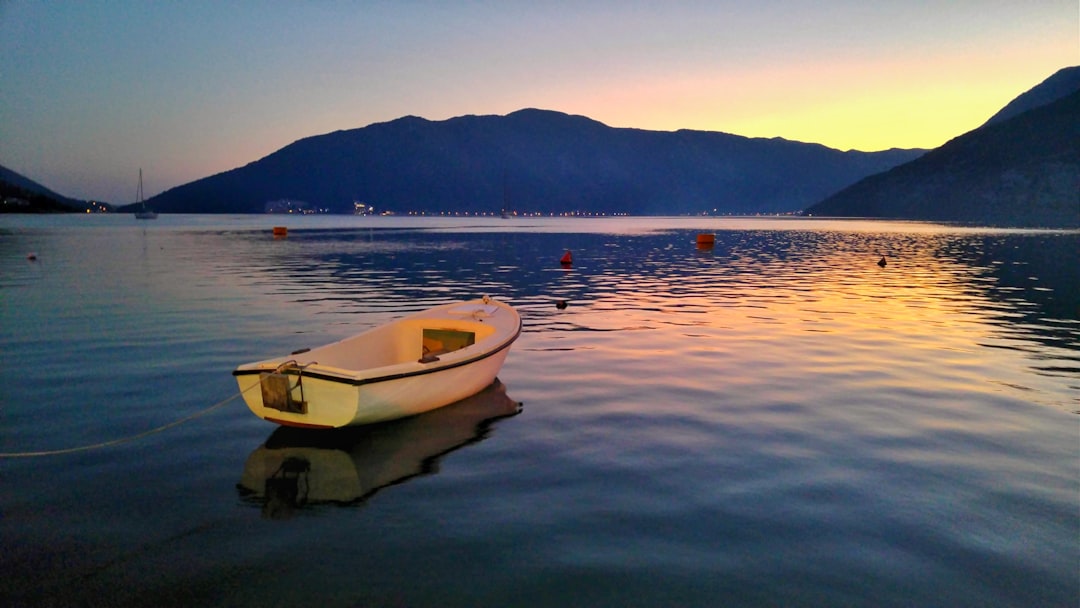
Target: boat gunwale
<point>429,368</point>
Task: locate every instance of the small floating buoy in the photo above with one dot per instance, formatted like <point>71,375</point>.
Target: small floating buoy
<point>567,258</point>
<point>882,262</point>
<point>31,256</point>
<point>705,240</point>
<point>561,304</point>
<point>281,231</point>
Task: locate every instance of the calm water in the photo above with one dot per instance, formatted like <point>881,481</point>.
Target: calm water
<point>776,421</point>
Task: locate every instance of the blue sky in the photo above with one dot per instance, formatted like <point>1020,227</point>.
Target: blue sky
<point>92,91</point>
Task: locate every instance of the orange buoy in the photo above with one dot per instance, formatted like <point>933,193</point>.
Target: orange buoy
<point>567,258</point>
<point>281,231</point>
<point>706,240</point>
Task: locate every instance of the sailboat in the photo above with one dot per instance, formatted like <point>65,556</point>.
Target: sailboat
<point>143,213</point>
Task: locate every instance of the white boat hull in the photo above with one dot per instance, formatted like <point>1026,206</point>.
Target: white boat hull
<point>387,372</point>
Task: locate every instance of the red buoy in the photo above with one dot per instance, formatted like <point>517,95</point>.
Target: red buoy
<point>567,258</point>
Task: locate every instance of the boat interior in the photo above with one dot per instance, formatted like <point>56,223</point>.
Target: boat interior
<point>422,340</point>
<point>436,342</point>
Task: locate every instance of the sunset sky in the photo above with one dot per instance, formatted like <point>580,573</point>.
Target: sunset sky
<point>90,92</point>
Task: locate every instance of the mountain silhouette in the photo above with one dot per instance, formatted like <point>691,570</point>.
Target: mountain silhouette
<point>1060,84</point>
<point>1021,168</point>
<point>533,161</point>
<point>38,198</point>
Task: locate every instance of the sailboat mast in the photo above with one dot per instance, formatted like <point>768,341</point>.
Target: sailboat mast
<point>141,212</point>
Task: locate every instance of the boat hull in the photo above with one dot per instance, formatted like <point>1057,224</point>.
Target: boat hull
<point>322,388</point>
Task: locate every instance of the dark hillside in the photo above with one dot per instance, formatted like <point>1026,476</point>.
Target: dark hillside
<point>1021,171</point>
<point>537,161</point>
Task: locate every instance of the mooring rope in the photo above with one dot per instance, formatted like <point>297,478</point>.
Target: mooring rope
<point>105,444</point>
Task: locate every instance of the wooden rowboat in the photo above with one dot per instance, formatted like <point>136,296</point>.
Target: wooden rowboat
<point>411,365</point>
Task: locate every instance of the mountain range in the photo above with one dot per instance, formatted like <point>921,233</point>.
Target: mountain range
<point>1021,168</point>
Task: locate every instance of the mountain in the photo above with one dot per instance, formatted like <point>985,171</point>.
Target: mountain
<point>1060,84</point>
<point>21,194</point>
<point>1021,168</point>
<point>533,161</point>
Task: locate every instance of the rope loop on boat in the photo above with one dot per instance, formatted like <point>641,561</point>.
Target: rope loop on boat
<point>293,364</point>
<point>121,440</point>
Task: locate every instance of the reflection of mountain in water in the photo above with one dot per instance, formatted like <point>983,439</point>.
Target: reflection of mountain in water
<point>1035,291</point>
<point>295,468</point>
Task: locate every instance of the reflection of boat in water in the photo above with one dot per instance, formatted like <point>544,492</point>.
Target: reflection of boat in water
<point>411,365</point>
<point>298,467</point>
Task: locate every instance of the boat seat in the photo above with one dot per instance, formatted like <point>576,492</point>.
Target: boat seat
<point>437,342</point>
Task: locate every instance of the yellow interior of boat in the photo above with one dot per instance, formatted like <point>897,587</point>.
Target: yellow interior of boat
<point>439,341</point>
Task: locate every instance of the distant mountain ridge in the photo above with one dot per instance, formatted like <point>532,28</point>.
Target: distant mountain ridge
<point>536,161</point>
<point>1060,84</point>
<point>25,183</point>
<point>33,196</point>
<point>1021,168</point>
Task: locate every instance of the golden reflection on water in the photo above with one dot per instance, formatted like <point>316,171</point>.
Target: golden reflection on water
<point>813,311</point>
<point>961,309</point>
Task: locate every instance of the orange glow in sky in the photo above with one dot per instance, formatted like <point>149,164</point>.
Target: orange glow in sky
<point>849,104</point>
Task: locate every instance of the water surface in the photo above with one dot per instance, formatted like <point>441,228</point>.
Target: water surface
<point>776,420</point>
